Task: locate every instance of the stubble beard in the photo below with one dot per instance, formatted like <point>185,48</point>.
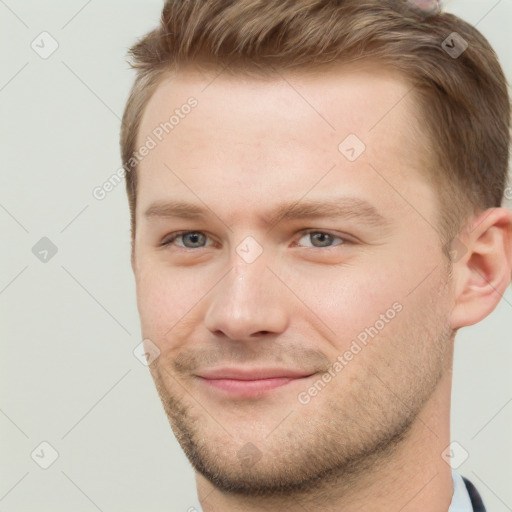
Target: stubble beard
<point>357,432</point>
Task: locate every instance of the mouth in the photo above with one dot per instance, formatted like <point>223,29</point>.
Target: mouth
<point>250,382</point>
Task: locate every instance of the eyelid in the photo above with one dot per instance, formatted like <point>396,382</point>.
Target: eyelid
<point>344,237</point>
<point>170,238</point>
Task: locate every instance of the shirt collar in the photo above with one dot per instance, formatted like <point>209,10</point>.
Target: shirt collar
<point>461,501</point>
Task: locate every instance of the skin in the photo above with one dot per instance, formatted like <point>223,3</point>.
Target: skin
<point>372,438</point>
<point>427,7</point>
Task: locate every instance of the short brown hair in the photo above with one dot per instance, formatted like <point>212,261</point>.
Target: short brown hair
<point>464,101</point>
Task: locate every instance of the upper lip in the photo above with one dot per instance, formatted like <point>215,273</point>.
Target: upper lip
<point>252,373</point>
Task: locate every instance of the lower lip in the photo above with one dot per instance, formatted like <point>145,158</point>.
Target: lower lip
<point>249,388</point>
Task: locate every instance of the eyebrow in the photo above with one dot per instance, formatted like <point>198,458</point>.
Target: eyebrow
<point>343,207</point>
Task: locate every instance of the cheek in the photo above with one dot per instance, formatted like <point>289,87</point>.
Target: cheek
<point>162,299</point>
<point>170,301</point>
<point>347,300</point>
<point>373,301</point>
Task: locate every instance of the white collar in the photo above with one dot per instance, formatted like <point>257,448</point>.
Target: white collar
<point>461,501</point>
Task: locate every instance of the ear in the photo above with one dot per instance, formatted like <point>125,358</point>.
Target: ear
<point>484,268</point>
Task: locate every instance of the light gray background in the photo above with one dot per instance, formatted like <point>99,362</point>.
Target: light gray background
<point>69,326</point>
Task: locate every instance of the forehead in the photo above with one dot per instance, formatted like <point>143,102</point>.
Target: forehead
<point>354,97</point>
<point>247,138</point>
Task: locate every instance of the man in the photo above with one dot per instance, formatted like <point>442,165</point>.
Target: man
<point>315,190</point>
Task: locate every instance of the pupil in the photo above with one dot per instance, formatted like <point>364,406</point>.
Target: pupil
<point>323,238</point>
<point>194,238</point>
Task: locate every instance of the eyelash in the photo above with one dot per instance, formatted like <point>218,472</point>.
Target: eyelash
<point>177,234</point>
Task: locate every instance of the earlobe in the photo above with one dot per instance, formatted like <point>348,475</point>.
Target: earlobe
<point>484,271</point>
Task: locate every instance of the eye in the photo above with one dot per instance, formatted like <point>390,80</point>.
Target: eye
<point>321,239</point>
<point>189,239</point>
<point>198,240</point>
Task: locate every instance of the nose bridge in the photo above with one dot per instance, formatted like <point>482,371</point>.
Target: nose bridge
<point>246,301</point>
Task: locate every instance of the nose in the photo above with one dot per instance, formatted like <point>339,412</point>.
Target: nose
<point>248,304</point>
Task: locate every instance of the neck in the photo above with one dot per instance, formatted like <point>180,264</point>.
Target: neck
<point>414,478</point>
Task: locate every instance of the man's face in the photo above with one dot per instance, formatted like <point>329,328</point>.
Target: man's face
<point>359,279</point>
